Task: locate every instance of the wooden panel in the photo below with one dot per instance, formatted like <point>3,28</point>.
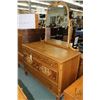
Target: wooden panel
<point>75,90</point>
<point>33,35</point>
<point>28,35</point>
<point>70,70</point>
<point>20,40</point>
<point>20,51</point>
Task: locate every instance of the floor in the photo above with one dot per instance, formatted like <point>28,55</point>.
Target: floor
<point>39,91</point>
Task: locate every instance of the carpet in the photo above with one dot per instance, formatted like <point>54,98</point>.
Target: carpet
<point>25,90</point>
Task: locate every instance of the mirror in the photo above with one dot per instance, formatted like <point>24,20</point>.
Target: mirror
<point>78,30</point>
<point>58,23</point>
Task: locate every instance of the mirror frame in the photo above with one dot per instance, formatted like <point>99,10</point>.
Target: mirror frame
<point>67,9</point>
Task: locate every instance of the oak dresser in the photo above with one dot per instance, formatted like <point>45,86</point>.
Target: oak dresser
<point>55,67</point>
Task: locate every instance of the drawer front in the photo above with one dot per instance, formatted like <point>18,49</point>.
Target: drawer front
<point>47,72</point>
<point>29,55</point>
<point>47,67</point>
<point>44,71</point>
<point>49,62</point>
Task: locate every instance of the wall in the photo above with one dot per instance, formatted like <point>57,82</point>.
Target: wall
<point>26,21</point>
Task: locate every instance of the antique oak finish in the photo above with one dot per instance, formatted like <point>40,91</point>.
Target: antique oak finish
<point>75,90</point>
<point>27,36</point>
<point>21,95</point>
<point>55,67</point>
<point>20,41</point>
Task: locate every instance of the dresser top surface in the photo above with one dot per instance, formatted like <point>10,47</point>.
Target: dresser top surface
<point>53,52</point>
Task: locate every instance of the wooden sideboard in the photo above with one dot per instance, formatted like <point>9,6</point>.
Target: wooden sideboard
<point>27,36</point>
<point>55,67</point>
<point>21,95</point>
<point>75,90</point>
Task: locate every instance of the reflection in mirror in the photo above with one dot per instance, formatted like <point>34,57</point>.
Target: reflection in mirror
<point>77,37</point>
<point>57,23</point>
<point>62,24</point>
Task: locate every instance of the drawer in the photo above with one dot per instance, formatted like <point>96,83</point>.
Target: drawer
<point>44,71</point>
<point>41,63</point>
<point>45,60</point>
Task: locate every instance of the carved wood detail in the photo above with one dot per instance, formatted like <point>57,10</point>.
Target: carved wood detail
<point>55,75</point>
<point>30,56</point>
